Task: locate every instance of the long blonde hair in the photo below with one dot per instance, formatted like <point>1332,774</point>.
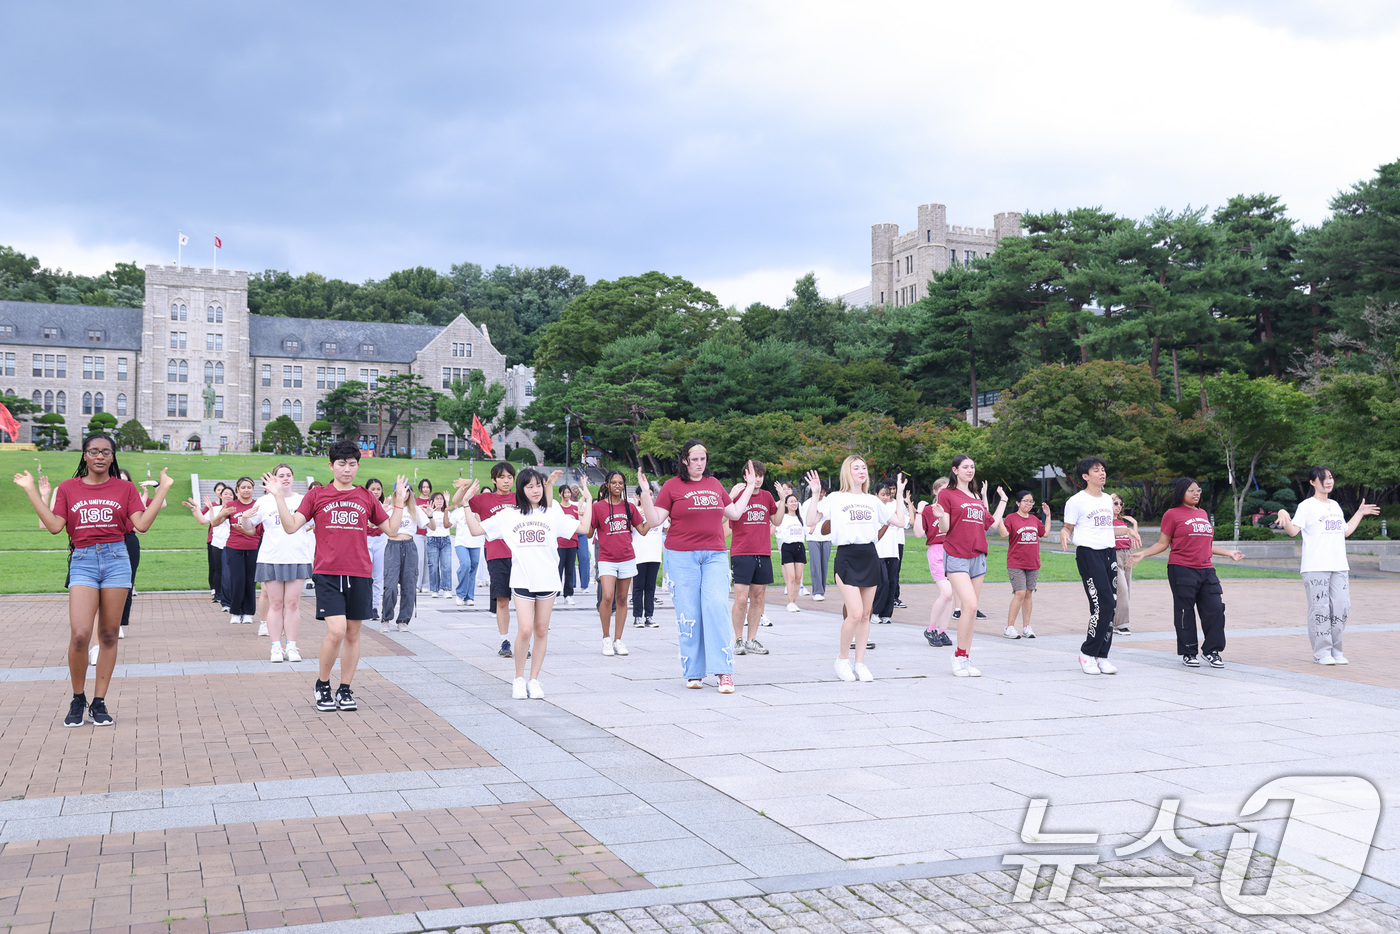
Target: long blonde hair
<point>848,481</point>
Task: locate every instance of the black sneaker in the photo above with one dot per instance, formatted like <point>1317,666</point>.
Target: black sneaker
<point>1123,630</point>
<point>1190,661</point>
<point>932,638</point>
<point>1215,660</point>
<point>868,646</point>
<point>344,699</point>
<point>97,710</point>
<point>505,649</point>
<point>900,605</point>
<point>324,700</point>
<point>75,710</point>
<point>947,642</point>
<point>981,615</point>
<point>957,613</point>
<point>647,623</point>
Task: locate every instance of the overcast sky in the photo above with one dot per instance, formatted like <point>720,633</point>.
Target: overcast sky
<point>736,144</point>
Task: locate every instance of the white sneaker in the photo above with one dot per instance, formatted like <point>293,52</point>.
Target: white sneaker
<point>962,667</point>
<point>1327,660</point>
<point>471,603</point>
<point>262,628</point>
<point>818,597</point>
<point>844,671</point>
<point>1011,633</point>
<point>435,594</point>
<point>608,646</point>
<point>1338,658</point>
<point>121,632</point>
<point>1107,667</point>
<point>794,608</point>
<point>569,601</point>
<point>802,590</point>
<point>234,619</point>
<point>619,648</point>
<point>460,602</point>
<point>385,627</point>
<point>764,620</point>
<point>1089,665</point>
<point>863,673</point>
<point>92,654</point>
<point>292,654</point>
<point>517,689</point>
<point>874,620</point>
<point>535,689</point>
<point>277,652</point>
<point>1027,632</point>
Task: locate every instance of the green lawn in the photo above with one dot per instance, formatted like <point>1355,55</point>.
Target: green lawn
<point>173,554</point>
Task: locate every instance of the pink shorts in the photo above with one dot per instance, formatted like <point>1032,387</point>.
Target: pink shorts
<point>935,562</point>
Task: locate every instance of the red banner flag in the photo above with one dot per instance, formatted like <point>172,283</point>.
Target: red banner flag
<point>480,436</point>
<point>9,424</point>
<point>218,244</point>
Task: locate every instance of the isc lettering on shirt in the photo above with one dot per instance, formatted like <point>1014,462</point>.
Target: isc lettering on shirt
<point>973,512</point>
<point>1028,536</point>
<point>531,536</point>
<point>703,499</point>
<point>860,514</point>
<point>1103,520</point>
<point>92,514</point>
<point>1333,525</point>
<point>1200,527</point>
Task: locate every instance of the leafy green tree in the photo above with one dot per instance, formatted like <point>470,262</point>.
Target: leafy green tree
<point>400,398</point>
<point>620,396</point>
<point>1355,430</point>
<point>319,435</point>
<point>282,435</point>
<point>1251,418</point>
<point>48,432</point>
<point>346,407</point>
<point>473,397</point>
<point>808,318</point>
<point>132,436</point>
<point>759,322</point>
<point>103,421</point>
<point>514,302</point>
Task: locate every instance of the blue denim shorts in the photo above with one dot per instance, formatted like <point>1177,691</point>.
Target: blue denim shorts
<point>105,566</point>
<point>972,567</point>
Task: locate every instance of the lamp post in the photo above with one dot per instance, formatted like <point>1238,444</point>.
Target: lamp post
<point>568,462</point>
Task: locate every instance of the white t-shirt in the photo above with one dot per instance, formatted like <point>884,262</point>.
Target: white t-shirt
<point>534,544</point>
<point>221,530</point>
<point>856,518</point>
<point>790,530</point>
<point>888,545</point>
<point>647,548</point>
<point>412,518</point>
<point>816,534</point>
<point>1092,518</point>
<point>1324,535</point>
<point>462,536</point>
<point>277,546</point>
<point>438,532</point>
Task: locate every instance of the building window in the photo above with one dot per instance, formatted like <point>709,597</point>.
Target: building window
<point>267,374</point>
<point>366,350</point>
<point>165,440</point>
<point>179,312</point>
<point>38,364</point>
<point>218,374</point>
<point>320,409</point>
<point>213,342</point>
<point>37,399</point>
<point>9,364</point>
<point>320,377</point>
<point>287,407</point>
<point>529,388</point>
<point>296,377</point>
<point>267,410</point>
<point>61,369</point>
<point>121,404</point>
<point>370,377</point>
<point>87,403</point>
<point>909,263</point>
<point>61,403</point>
<point>94,336</point>
<point>218,406</point>
<point>461,350</point>
<point>87,368</point>
<point>208,373</point>
<point>453,374</point>
<point>99,367</point>
<point>172,371</point>
<point>330,347</point>
<point>7,330</point>
<point>52,334</point>
<point>121,368</point>
<point>291,345</point>
<point>287,375</point>
<point>179,340</point>
<point>952,257</point>
<point>296,410</point>
<point>215,315</point>
<point>48,400</point>
<point>930,237</point>
<point>184,405</point>
<point>99,404</point>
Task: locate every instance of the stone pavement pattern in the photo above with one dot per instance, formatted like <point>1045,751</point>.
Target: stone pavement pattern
<point>223,801</point>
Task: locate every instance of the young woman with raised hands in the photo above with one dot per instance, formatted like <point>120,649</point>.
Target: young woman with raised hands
<point>1023,533</point>
<point>568,546</point>
<point>927,525</point>
<point>532,527</point>
<point>648,549</point>
<point>856,517</point>
<point>1188,534</point>
<point>284,565</point>
<point>1324,568</point>
<point>241,553</point>
<point>964,521</point>
<point>751,561</point>
<point>697,505</point>
<point>96,508</point>
<point>1125,539</point>
<point>614,518</point>
<point>439,546</point>
<point>792,549</point>
<point>376,541</point>
<point>818,544</point>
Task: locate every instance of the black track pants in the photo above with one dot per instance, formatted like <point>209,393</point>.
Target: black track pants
<point>1099,568</point>
<point>1197,591</point>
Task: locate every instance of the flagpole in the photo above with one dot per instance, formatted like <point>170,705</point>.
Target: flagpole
<point>179,246</point>
<point>216,252</point>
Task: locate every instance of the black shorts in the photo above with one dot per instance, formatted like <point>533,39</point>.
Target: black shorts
<point>752,569</point>
<point>499,571</point>
<point>794,553</point>
<point>859,566</point>
<point>338,595</point>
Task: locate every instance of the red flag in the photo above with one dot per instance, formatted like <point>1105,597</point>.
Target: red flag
<point>218,244</point>
<point>480,436</point>
<point>8,424</point>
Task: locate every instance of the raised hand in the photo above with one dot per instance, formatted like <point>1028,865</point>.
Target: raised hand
<point>814,482</point>
<point>25,481</point>
<point>166,481</point>
<point>1001,491</point>
<point>900,482</point>
<point>1045,508</point>
<point>585,499</point>
<point>641,481</point>
<point>461,482</point>
<point>270,483</point>
<point>1366,509</point>
<point>44,487</point>
<point>402,493</point>
<point>555,476</point>
<point>750,476</point>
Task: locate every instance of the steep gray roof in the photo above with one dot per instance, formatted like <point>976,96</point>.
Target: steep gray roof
<point>393,343</point>
<point>121,327</point>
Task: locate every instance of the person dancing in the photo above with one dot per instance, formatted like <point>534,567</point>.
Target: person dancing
<point>614,518</point>
<point>1023,532</point>
<point>791,535</point>
<point>965,520</point>
<point>1125,539</point>
<point>927,525</point>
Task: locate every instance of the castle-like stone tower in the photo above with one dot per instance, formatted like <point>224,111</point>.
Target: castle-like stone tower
<point>902,264</point>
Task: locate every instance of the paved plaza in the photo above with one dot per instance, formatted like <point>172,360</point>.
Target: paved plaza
<point>222,801</point>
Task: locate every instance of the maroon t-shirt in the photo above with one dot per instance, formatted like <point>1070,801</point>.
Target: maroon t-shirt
<point>423,530</point>
<point>613,524</point>
<point>1192,536</point>
<point>343,519</point>
<point>750,533</point>
<point>97,513</point>
<point>1121,538</point>
<point>238,539</point>
<point>1023,545</point>
<point>572,540</point>
<point>968,522</point>
<point>932,532</point>
<point>697,513</point>
<point>486,505</point>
